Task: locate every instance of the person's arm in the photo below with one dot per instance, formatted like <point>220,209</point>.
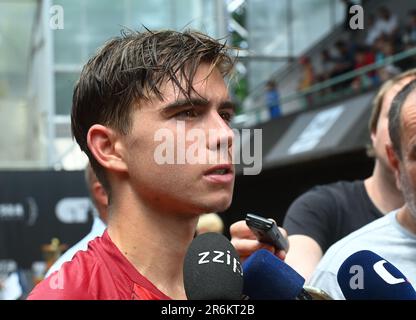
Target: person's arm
<point>304,255</point>
<point>310,222</point>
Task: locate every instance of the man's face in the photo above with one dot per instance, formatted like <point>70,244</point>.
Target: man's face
<point>182,187</point>
<point>407,164</point>
<point>381,137</point>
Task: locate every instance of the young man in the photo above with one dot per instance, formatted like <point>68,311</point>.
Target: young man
<point>326,214</point>
<point>137,88</point>
<point>393,237</point>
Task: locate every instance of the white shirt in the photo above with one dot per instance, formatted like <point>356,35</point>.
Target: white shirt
<point>380,27</point>
<point>387,27</point>
<point>384,236</point>
<point>11,288</point>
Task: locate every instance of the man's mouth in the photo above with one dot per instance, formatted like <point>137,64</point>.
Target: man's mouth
<point>219,170</point>
<point>220,174</point>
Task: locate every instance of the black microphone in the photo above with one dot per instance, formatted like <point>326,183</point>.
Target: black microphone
<point>212,269</point>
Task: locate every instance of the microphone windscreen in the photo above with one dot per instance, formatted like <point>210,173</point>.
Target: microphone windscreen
<point>212,269</point>
<point>367,276</point>
<point>266,277</point>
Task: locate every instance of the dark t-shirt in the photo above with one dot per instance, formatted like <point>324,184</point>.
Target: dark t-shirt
<point>330,212</point>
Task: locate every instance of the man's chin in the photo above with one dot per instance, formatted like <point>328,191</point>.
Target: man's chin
<point>212,203</point>
<point>218,204</point>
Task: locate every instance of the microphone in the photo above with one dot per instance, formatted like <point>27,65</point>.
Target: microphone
<point>212,269</point>
<point>266,277</point>
<point>367,276</point>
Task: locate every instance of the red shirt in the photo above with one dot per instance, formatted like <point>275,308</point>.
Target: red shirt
<point>100,273</point>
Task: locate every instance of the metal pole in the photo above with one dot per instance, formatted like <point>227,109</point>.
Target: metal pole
<point>289,25</point>
<point>48,81</point>
<point>222,18</point>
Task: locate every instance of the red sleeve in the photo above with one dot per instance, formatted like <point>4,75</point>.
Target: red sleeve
<point>71,282</point>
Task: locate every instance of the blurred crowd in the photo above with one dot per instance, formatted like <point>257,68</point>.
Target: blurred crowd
<point>385,36</point>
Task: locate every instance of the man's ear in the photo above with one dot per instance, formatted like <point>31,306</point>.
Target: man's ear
<point>106,147</point>
<point>99,193</point>
<point>373,137</point>
<point>101,200</point>
<point>394,163</point>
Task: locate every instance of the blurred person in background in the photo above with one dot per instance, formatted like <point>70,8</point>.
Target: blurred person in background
<point>273,99</point>
<point>393,236</point>
<point>324,70</point>
<point>326,214</point>
<point>409,42</point>
<point>373,31</point>
<point>307,74</point>
<point>364,57</point>
<point>13,285</point>
<point>385,26</point>
<point>326,66</point>
<point>387,23</point>
<point>344,62</point>
<point>391,69</point>
<point>409,35</point>
<point>100,212</point>
<point>307,78</point>
<point>209,222</point>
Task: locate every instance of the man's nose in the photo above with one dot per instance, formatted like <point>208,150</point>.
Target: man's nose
<point>219,132</point>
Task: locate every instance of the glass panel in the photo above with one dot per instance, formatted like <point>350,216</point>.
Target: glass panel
<point>89,23</point>
<point>69,41</point>
<point>311,20</point>
<point>104,19</point>
<point>15,39</point>
<point>267,27</point>
<point>153,14</point>
<point>208,18</point>
<point>200,15</point>
<point>64,87</point>
<point>18,139</point>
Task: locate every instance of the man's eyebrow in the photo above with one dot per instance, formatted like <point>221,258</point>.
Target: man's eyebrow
<point>185,102</point>
<point>180,103</point>
<point>228,105</point>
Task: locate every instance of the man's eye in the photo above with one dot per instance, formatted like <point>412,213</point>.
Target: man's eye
<point>191,113</point>
<point>226,116</point>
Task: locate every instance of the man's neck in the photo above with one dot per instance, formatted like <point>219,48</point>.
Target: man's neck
<point>154,242</point>
<point>407,221</point>
<point>382,190</point>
